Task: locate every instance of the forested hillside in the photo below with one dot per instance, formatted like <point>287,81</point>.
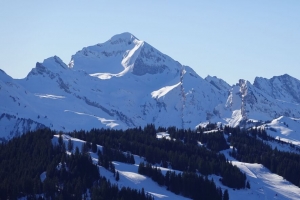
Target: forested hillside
<point>251,146</point>
<point>24,159</point>
<point>182,153</point>
<point>35,166</point>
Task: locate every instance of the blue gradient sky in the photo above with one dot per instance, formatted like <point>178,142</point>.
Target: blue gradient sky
<point>229,39</point>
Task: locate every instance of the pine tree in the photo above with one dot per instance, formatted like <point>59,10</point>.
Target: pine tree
<point>84,148</point>
<point>70,145</point>
<point>248,185</point>
<point>60,139</point>
<point>132,161</point>
<point>112,167</point>
<point>77,152</point>
<point>226,195</point>
<point>117,176</point>
<point>143,193</point>
<point>94,147</point>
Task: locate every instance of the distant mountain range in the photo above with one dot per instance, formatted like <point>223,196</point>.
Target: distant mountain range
<point>125,82</point>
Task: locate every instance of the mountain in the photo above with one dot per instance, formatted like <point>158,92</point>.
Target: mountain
<point>282,88</point>
<point>252,103</point>
<point>125,82</point>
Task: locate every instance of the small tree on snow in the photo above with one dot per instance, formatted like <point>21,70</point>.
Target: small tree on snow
<point>226,195</point>
<point>94,147</point>
<point>117,176</point>
<point>248,185</point>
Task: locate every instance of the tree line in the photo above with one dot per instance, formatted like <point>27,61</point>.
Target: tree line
<point>176,153</point>
<point>252,146</point>
<point>188,184</point>
<point>24,159</point>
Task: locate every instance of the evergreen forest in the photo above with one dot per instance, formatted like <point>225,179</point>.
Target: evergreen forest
<point>196,153</point>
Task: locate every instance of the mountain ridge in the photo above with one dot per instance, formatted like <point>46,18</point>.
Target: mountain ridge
<point>125,82</point>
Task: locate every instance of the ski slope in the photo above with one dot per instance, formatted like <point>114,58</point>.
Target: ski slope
<point>263,183</point>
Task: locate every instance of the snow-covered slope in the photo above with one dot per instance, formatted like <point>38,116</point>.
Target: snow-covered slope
<point>123,53</point>
<point>283,88</point>
<point>125,82</point>
<point>11,126</point>
<point>220,84</point>
<point>284,129</point>
<point>249,102</point>
<point>263,183</point>
<point>129,176</point>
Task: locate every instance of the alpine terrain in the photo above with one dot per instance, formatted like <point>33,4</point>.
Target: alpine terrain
<point>123,116</point>
<point>125,83</point>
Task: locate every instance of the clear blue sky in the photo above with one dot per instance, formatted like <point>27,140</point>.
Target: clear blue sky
<point>229,39</point>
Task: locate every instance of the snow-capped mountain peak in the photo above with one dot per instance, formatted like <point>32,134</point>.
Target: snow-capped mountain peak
<point>283,88</point>
<point>122,54</point>
<point>49,66</point>
<point>220,84</point>
<point>125,38</point>
<point>112,56</point>
<point>125,82</point>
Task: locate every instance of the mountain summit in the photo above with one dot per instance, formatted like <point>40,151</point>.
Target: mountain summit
<point>121,54</point>
<point>125,82</point>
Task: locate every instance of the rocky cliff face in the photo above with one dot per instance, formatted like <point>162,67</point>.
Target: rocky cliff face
<point>263,100</point>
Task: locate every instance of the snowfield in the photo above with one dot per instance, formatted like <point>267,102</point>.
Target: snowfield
<point>163,91</point>
<point>263,183</point>
<point>50,96</point>
<point>285,129</point>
